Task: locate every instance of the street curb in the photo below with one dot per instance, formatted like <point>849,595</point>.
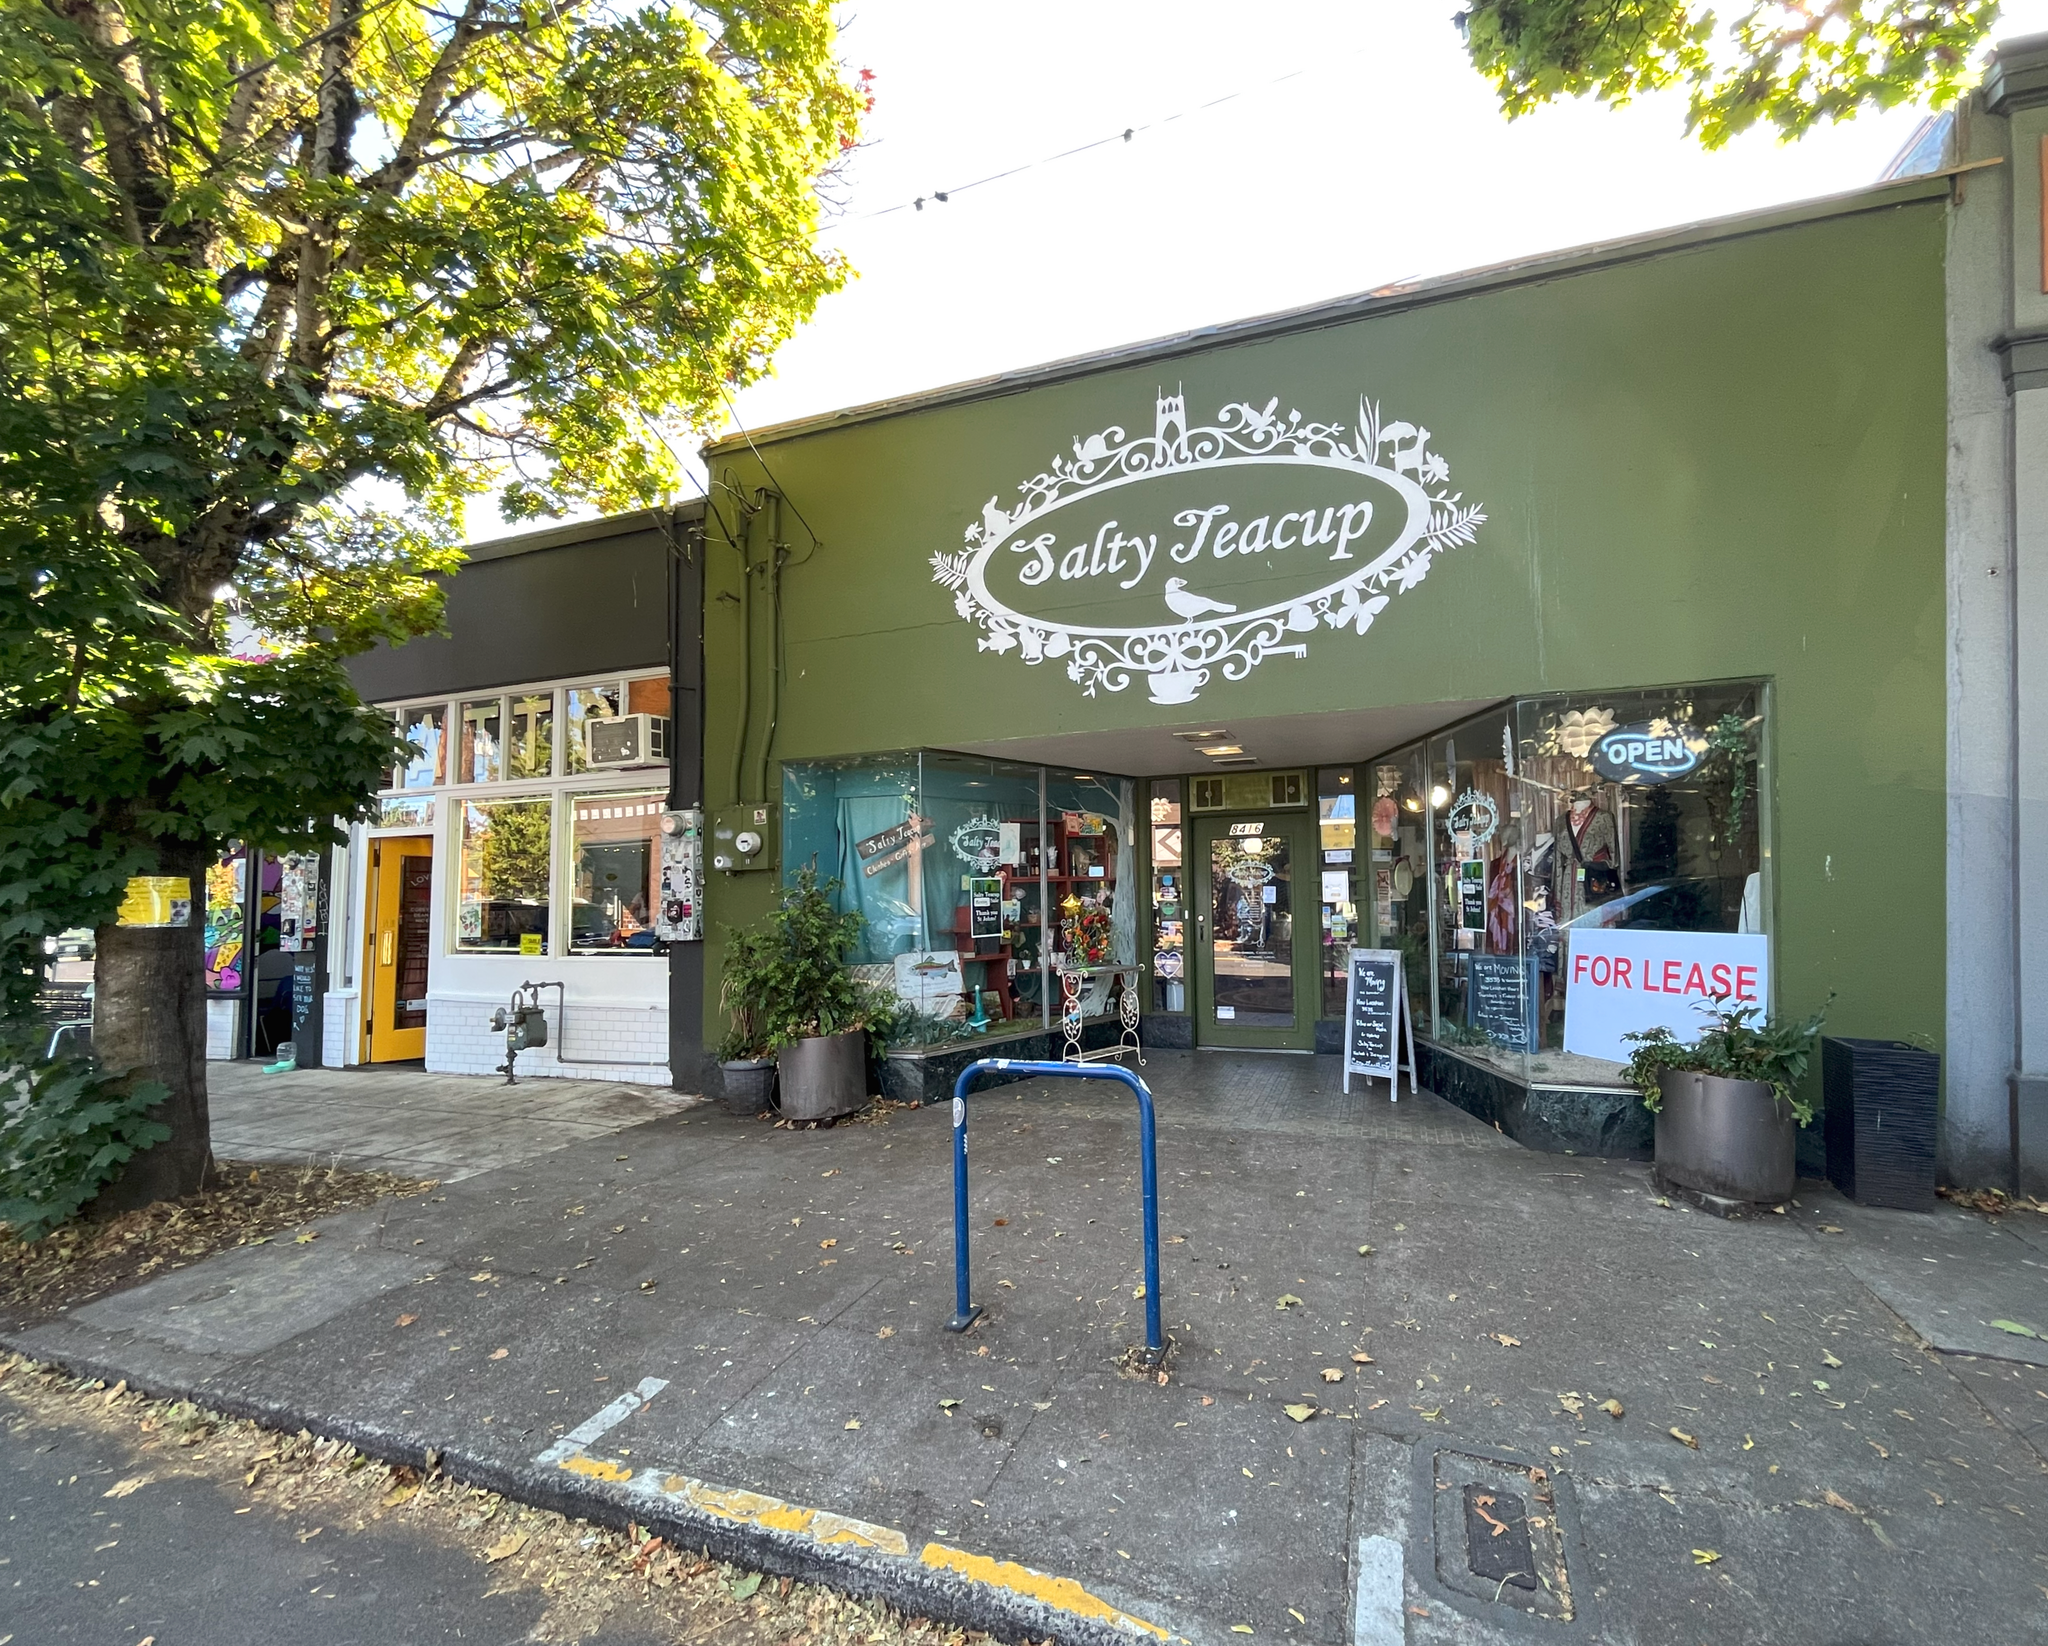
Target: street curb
<point>903,1581</point>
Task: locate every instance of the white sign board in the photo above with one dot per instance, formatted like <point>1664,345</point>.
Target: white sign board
<point>930,980</point>
<point>1623,982</point>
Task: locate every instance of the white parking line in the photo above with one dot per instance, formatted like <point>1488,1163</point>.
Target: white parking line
<point>1376,1609</point>
<point>595,1428</point>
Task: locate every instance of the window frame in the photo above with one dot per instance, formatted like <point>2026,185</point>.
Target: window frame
<point>563,788</point>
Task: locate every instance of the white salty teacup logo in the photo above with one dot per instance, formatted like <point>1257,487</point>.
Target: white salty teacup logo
<point>1197,551</point>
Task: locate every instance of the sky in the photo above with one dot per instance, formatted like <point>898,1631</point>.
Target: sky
<point>1357,147</point>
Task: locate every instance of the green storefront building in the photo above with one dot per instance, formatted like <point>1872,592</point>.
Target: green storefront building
<point>1305,632</point>
<point>1660,614</point>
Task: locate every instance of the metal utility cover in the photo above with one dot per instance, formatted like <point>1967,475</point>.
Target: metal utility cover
<point>1497,1538</point>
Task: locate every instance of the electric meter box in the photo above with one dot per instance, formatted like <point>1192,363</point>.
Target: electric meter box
<point>745,837</point>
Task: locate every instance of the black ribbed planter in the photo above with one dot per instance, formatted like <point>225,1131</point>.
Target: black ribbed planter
<point>1881,1097</point>
<point>749,1085</point>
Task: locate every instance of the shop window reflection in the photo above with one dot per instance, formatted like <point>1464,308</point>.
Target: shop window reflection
<point>585,704</point>
<point>427,764</point>
<point>614,846</point>
<point>482,759</point>
<point>502,876</point>
<point>531,749</point>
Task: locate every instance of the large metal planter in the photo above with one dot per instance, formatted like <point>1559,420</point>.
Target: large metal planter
<point>824,1076</point>
<point>749,1085</point>
<point>1728,1138</point>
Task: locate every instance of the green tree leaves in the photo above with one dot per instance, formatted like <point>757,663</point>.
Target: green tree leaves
<point>1790,66</point>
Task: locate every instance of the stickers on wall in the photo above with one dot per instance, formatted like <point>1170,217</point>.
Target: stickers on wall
<point>1203,550</point>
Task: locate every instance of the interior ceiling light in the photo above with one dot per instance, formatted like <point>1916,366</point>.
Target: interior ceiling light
<point>1213,735</point>
<point>1235,760</point>
<point>1214,749</point>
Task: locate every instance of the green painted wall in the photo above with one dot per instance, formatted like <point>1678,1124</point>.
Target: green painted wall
<point>1720,461</point>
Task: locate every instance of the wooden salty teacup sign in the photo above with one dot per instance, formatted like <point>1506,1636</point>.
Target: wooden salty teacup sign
<point>1376,1014</point>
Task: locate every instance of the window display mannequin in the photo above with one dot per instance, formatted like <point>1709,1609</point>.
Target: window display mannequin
<point>1584,869</point>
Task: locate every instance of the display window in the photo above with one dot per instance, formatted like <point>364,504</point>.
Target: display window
<point>1336,868</point>
<point>1499,846</point>
<point>976,879</point>
<point>615,868</point>
<point>1169,893</point>
<point>503,874</point>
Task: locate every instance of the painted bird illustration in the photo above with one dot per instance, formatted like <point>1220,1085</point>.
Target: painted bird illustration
<point>1191,605</point>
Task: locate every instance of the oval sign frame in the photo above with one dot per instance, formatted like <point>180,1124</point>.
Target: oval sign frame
<point>1178,660</point>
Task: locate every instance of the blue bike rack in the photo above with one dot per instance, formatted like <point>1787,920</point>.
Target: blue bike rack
<point>967,1312</point>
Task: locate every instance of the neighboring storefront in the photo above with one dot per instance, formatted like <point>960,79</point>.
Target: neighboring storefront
<point>1484,620</point>
<point>521,841</point>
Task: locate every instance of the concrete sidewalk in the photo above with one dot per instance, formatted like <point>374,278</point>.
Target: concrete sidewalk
<point>416,1124</point>
<point>734,1333</point>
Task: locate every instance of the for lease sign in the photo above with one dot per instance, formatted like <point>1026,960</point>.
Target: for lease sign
<point>1622,982</point>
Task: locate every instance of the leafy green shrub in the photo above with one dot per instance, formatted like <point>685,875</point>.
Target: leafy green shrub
<point>786,980</point>
<point>66,1128</point>
<point>1736,1048</point>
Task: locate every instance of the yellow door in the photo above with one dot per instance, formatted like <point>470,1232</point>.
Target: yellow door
<point>400,931</point>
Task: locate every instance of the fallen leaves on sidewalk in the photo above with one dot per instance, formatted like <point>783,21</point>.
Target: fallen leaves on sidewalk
<point>1613,1408</point>
<point>1332,1374</point>
<point>1683,1438</point>
<point>1994,1201</point>
<point>1705,1557</point>
<point>1299,1411</point>
<point>244,1206</point>
<point>506,1547</point>
<point>594,1581</point>
<point>1505,1341</point>
<point>1288,1300</point>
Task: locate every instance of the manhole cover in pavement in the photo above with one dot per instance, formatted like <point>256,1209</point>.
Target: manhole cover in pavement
<point>1497,1536</point>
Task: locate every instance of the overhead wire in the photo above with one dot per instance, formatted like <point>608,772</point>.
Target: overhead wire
<point>1126,135</point>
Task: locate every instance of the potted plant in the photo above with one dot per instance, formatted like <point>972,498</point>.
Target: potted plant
<point>743,1055</point>
<point>1727,1105</point>
<point>787,994</point>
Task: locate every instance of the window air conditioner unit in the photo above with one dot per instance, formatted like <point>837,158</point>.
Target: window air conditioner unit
<point>626,740</point>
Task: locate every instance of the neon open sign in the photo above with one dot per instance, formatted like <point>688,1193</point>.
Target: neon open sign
<point>1654,752</point>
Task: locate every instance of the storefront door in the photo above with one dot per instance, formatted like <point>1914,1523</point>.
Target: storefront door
<point>400,932</point>
<point>1254,937</point>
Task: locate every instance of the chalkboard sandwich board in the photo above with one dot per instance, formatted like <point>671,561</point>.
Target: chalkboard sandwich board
<point>1375,1014</point>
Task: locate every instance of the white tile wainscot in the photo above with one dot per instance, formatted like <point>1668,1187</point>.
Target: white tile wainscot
<point>460,1039</point>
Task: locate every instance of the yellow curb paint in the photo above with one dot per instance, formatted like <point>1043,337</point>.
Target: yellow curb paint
<point>758,1509</point>
<point>1062,1592</point>
<point>596,1468</point>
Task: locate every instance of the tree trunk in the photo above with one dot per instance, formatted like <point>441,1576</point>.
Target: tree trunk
<point>149,1019</point>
